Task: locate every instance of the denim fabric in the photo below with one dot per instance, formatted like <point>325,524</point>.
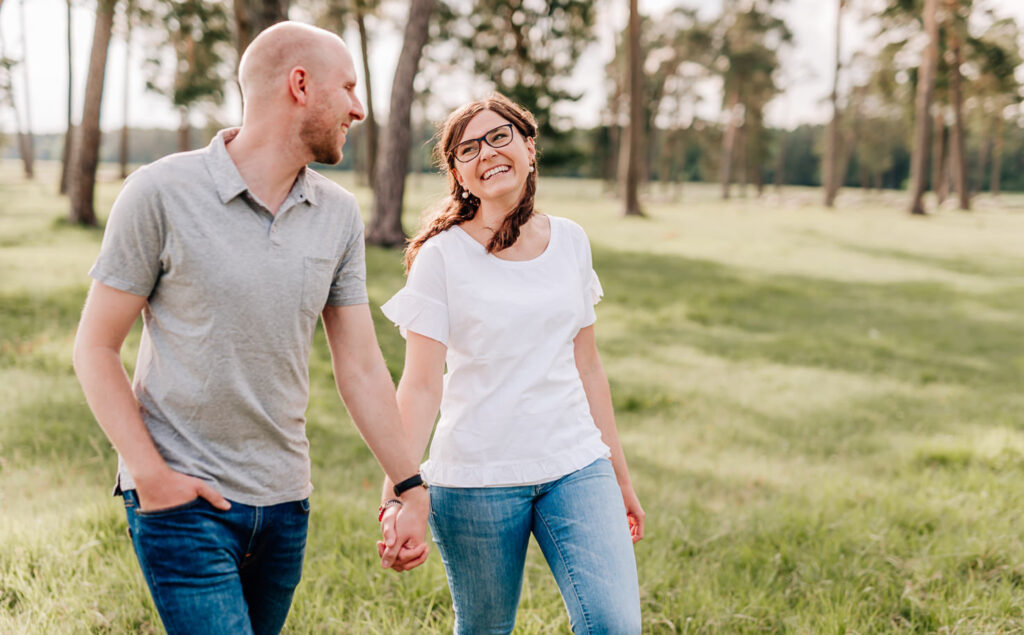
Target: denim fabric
<point>218,572</point>
<point>579,522</point>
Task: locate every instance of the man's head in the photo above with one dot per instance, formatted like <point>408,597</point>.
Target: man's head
<point>301,78</point>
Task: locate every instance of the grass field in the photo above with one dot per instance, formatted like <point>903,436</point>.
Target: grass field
<point>822,411</point>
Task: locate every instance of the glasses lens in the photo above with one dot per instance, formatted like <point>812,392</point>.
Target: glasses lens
<point>467,150</point>
<point>501,136</point>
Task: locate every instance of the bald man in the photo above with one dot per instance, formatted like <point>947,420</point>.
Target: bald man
<point>231,253</point>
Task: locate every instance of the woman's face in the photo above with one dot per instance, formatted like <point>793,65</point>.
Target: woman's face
<point>494,173</point>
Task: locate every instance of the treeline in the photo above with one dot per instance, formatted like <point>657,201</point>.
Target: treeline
<point>588,153</point>
<point>932,101</point>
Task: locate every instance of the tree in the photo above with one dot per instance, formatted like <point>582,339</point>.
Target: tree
<point>86,147</point>
<point>527,50</point>
<point>129,22</point>
<point>335,15</point>
<point>636,117</point>
<point>389,183</point>
<point>955,24</point>
<point>28,150</point>
<point>922,114</point>
<point>198,32</point>
<point>743,51</point>
<point>252,16</point>
<point>70,133</point>
<point>994,57</point>
<point>833,178</point>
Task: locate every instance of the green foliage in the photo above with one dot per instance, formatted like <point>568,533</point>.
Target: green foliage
<point>821,412</point>
<point>198,34</point>
<point>527,50</point>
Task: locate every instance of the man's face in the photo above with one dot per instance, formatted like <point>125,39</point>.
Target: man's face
<point>334,107</point>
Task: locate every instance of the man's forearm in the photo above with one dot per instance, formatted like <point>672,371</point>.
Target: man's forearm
<point>109,394</point>
<point>370,399</point>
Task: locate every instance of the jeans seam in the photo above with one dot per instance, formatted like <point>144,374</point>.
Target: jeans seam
<point>568,570</point>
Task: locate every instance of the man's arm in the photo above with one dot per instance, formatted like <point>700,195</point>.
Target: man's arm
<point>108,316</point>
<point>369,394</point>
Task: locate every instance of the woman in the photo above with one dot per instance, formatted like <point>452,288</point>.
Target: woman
<point>526,442</point>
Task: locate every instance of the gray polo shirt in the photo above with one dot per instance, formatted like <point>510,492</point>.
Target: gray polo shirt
<point>234,293</point>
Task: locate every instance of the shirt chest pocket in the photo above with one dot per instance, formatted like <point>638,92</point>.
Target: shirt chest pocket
<point>317,274</point>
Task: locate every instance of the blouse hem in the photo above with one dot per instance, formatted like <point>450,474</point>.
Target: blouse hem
<point>513,474</point>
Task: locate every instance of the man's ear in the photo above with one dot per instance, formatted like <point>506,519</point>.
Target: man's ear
<point>298,84</point>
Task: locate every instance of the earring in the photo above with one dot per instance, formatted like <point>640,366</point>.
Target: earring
<point>530,169</point>
<point>465,193</point>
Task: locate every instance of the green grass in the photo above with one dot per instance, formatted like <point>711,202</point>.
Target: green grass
<point>822,411</point>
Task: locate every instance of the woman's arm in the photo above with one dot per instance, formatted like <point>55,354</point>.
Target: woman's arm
<point>419,398</point>
<point>595,384</point>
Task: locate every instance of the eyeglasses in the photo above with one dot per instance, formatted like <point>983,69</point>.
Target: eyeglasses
<point>495,137</point>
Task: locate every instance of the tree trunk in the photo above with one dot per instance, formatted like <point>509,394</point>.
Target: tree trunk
<point>123,149</point>
<point>70,133</point>
<point>28,143</point>
<point>997,154</point>
<point>832,177</point>
<point>636,116</point>
<point>922,106</point>
<point>728,143</point>
<point>184,143</point>
<point>958,151</point>
<point>741,158</point>
<point>87,144</point>
<point>252,16</point>
<point>389,183</point>
<point>370,125</point>
<point>938,151</point>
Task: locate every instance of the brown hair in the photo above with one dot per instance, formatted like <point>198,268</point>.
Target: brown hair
<point>455,209</point>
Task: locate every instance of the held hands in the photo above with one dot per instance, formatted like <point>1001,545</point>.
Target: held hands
<point>404,530</point>
<point>634,513</point>
<point>168,489</point>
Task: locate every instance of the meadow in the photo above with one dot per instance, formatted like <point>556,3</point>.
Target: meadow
<point>822,411</point>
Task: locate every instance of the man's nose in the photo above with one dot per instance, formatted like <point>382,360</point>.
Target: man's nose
<point>357,113</point>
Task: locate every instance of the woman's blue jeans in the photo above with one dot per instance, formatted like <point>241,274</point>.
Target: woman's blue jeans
<point>579,522</point>
<point>219,572</point>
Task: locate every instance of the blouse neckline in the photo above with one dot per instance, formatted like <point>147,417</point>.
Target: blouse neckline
<point>514,263</point>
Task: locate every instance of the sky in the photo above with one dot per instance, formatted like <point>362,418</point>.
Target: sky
<point>807,66</point>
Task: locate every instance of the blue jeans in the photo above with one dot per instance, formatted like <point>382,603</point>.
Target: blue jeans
<point>218,572</point>
<point>579,522</point>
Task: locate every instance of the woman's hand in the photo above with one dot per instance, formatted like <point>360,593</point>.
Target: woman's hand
<point>634,513</point>
<point>409,556</point>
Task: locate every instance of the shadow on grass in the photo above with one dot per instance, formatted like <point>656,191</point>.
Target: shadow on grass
<point>914,332</point>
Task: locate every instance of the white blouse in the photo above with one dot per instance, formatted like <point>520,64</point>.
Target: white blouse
<point>513,411</point>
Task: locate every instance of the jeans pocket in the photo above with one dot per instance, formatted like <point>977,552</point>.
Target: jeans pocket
<point>304,505</point>
<point>169,510</point>
<point>316,284</point>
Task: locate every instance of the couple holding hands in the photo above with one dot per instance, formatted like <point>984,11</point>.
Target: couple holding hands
<point>231,253</point>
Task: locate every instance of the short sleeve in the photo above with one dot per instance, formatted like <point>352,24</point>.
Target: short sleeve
<point>349,283</point>
<point>422,305</point>
<point>131,254</point>
<point>592,291</point>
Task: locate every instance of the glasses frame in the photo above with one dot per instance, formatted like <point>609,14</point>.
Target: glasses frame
<point>483,139</point>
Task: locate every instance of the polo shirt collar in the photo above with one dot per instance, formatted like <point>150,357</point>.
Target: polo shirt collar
<point>229,182</point>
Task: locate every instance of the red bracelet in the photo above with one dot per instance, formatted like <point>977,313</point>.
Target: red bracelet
<point>391,502</point>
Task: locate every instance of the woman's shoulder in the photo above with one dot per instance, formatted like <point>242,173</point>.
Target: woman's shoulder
<point>570,228</point>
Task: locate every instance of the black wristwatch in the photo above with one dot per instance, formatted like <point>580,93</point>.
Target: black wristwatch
<point>409,483</point>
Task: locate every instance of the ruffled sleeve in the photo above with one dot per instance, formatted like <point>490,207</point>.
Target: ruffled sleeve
<point>422,305</point>
<point>592,291</point>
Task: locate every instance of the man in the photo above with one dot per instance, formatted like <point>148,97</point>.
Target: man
<point>230,253</point>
